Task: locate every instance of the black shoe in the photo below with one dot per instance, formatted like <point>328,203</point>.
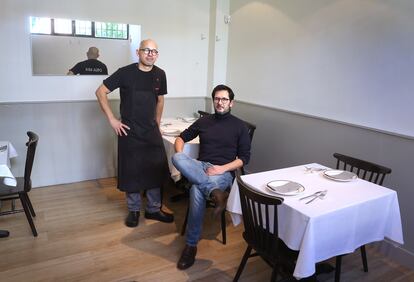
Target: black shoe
<point>160,216</point>
<point>187,257</point>
<point>132,219</point>
<point>220,200</point>
<point>4,233</point>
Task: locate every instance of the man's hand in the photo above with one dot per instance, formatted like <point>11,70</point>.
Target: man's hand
<point>215,170</point>
<point>119,127</point>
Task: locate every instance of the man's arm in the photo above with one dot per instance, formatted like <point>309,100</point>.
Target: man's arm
<point>243,155</point>
<point>220,169</point>
<point>101,93</point>
<point>159,109</point>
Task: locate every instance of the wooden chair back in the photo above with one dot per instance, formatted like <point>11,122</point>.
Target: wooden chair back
<point>260,219</point>
<point>31,150</point>
<point>365,170</point>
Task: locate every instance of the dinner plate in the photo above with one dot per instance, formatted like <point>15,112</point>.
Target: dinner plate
<point>189,119</point>
<point>285,187</point>
<point>171,132</point>
<point>340,175</point>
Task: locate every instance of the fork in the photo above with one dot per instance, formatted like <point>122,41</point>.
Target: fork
<point>320,196</point>
<point>316,194</point>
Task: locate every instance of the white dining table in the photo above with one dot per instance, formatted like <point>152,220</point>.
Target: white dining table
<point>351,214</point>
<point>7,152</point>
<point>190,148</point>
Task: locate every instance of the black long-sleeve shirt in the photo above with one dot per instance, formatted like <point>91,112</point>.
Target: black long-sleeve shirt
<point>222,138</point>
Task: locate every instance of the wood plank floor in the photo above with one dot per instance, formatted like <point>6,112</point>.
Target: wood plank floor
<point>82,237</point>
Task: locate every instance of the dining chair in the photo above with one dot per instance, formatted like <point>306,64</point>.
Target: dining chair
<point>203,113</point>
<point>210,203</point>
<point>24,185</point>
<point>261,232</point>
<point>365,170</point>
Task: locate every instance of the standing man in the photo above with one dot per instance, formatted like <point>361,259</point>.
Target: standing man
<point>224,147</point>
<point>142,162</point>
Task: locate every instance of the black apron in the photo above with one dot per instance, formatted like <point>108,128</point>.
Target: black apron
<point>142,161</point>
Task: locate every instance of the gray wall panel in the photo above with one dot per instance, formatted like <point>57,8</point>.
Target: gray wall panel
<point>76,142</point>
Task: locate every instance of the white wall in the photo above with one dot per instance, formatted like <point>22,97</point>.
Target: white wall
<point>176,26</point>
<point>350,61</point>
<point>76,142</point>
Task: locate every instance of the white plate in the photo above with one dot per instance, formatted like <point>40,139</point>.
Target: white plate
<point>171,132</point>
<point>340,175</point>
<point>189,119</point>
<point>285,187</point>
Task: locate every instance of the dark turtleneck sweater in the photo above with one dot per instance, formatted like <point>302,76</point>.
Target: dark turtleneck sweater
<point>222,138</point>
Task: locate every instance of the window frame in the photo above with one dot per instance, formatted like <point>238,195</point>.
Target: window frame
<point>74,34</point>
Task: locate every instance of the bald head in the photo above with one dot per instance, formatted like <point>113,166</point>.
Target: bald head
<point>93,53</point>
<point>144,43</point>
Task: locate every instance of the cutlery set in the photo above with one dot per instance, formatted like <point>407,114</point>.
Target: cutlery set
<point>314,169</point>
<point>320,194</point>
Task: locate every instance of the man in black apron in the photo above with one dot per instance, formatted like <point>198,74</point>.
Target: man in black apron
<point>142,162</point>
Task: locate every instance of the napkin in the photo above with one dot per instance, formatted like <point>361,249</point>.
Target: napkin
<point>285,188</point>
<point>345,175</point>
<point>9,179</point>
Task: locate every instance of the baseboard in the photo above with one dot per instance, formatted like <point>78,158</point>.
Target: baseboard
<point>395,253</point>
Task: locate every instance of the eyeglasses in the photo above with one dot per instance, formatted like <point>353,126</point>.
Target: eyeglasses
<point>148,51</point>
<point>223,99</point>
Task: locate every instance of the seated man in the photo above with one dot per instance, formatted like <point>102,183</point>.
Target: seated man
<point>224,147</point>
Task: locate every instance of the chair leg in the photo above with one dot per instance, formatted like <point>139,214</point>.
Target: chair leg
<point>364,258</point>
<point>178,197</point>
<point>185,220</point>
<point>338,268</point>
<point>242,263</point>
<point>274,273</point>
<point>27,212</point>
<point>29,203</point>
<point>223,226</point>
<point>13,205</point>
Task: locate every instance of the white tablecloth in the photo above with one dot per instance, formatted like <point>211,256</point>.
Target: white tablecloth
<point>191,148</point>
<point>351,215</point>
<point>7,151</point>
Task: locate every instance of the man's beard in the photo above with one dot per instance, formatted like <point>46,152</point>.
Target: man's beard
<point>222,113</point>
<point>147,65</point>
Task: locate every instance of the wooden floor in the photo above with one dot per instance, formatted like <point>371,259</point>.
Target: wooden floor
<point>82,237</point>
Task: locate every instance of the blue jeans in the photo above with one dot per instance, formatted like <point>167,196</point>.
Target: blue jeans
<point>203,184</point>
<point>153,200</point>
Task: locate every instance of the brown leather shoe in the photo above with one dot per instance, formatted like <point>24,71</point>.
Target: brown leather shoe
<point>187,257</point>
<point>160,216</point>
<point>220,200</point>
